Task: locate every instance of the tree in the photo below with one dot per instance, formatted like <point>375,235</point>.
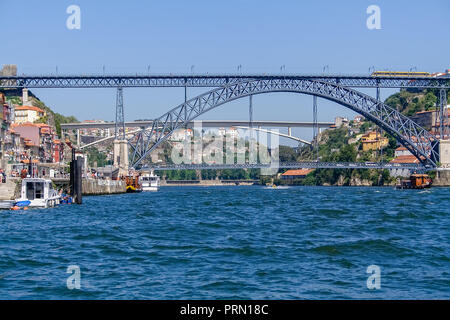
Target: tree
<point>96,158</point>
<point>287,154</point>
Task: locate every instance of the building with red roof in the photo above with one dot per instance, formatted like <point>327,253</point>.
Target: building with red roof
<point>296,174</point>
<point>30,114</point>
<point>40,140</point>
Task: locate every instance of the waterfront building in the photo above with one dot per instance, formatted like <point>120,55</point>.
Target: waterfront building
<point>402,151</point>
<point>373,141</point>
<point>24,114</point>
<point>428,120</point>
<point>403,157</point>
<point>295,174</point>
<point>340,121</point>
<point>13,147</point>
<point>40,141</point>
<point>6,117</point>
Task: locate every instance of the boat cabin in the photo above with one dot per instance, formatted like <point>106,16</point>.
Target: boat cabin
<point>39,191</point>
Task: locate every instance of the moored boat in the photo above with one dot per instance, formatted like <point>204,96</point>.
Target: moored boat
<point>149,181</point>
<point>133,184</point>
<point>37,192</point>
<point>416,181</point>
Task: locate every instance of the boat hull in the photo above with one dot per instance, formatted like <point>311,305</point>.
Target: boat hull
<point>131,189</point>
<point>37,193</point>
<point>150,189</point>
<point>42,203</point>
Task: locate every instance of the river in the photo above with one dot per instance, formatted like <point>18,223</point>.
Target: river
<point>232,243</point>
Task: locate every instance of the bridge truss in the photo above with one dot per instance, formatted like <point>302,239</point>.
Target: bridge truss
<point>211,81</point>
<point>416,139</point>
<point>233,86</point>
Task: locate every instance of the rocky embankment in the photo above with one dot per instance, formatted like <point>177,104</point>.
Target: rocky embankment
<point>442,179</point>
<point>10,190</point>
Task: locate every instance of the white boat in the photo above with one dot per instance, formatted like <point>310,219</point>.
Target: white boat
<point>39,192</point>
<point>149,182</point>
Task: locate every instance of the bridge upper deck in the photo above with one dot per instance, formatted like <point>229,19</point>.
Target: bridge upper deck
<point>212,80</point>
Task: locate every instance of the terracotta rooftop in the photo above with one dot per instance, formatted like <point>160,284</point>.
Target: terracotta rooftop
<point>29,124</point>
<point>30,108</point>
<point>297,172</point>
<point>405,159</point>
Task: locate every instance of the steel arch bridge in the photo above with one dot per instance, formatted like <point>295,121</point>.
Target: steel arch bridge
<point>416,139</point>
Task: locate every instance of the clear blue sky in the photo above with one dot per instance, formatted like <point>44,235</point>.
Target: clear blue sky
<point>216,37</point>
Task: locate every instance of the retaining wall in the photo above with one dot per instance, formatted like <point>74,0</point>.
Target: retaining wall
<point>98,186</point>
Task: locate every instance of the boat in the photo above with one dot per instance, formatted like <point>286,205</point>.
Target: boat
<point>274,186</point>
<point>149,181</point>
<point>37,192</point>
<point>133,185</point>
<point>416,181</point>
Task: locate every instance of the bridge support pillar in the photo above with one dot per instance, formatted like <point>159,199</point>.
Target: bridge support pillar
<point>289,131</point>
<point>444,153</point>
<point>78,138</point>
<point>443,172</point>
<point>121,154</point>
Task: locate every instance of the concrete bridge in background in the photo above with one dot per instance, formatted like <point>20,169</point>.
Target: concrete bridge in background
<point>238,124</point>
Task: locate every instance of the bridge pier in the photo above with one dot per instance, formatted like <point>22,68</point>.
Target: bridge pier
<point>78,139</point>
<point>442,178</point>
<point>315,130</point>
<point>444,153</point>
<point>443,172</point>
<point>121,156</point>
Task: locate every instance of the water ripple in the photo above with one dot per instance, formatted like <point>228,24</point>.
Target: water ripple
<point>232,243</point>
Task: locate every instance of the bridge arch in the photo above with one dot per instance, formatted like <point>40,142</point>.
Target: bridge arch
<point>416,139</point>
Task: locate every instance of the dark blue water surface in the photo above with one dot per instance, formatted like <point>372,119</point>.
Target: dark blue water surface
<point>232,243</point>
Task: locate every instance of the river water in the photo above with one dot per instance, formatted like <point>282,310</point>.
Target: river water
<point>232,243</point>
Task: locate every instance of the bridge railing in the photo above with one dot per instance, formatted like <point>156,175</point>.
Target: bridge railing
<point>210,80</point>
<point>293,165</point>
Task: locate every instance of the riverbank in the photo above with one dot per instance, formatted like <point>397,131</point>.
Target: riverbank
<point>99,187</point>
<point>207,183</point>
<point>442,178</point>
<point>10,190</point>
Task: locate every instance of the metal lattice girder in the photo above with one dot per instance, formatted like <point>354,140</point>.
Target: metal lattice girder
<point>443,114</point>
<point>294,165</point>
<point>119,130</point>
<point>419,141</point>
<point>207,80</point>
